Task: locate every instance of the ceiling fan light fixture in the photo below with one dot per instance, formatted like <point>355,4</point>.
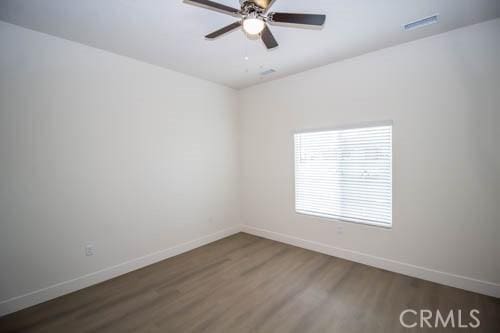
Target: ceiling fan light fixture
<point>253,25</point>
<point>254,19</point>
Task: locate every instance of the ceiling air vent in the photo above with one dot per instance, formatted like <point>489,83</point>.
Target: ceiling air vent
<point>421,23</point>
<point>268,72</point>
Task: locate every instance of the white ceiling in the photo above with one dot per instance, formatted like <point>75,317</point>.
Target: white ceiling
<point>169,33</point>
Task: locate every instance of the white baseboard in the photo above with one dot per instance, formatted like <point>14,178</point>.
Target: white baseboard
<point>38,296</point>
<point>449,279</point>
<point>62,288</point>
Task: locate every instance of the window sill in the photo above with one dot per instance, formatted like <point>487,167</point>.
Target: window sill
<point>344,219</point>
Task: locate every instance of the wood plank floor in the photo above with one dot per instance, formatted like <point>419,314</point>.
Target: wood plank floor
<point>245,283</point>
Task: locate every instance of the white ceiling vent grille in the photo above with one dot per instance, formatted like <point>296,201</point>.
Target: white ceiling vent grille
<point>268,72</point>
<point>422,22</point>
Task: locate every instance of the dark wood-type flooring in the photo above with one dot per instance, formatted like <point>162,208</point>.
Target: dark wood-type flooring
<point>245,283</point>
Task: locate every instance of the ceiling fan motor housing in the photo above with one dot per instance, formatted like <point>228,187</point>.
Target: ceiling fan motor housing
<point>249,8</point>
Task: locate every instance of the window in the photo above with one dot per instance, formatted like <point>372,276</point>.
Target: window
<point>345,174</point>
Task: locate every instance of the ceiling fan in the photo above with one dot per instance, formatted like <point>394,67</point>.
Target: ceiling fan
<point>254,17</point>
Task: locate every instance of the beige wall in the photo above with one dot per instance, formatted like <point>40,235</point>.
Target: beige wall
<point>96,147</point>
<point>443,95</point>
<point>99,148</point>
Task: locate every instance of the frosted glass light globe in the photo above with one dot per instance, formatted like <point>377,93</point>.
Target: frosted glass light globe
<point>253,26</point>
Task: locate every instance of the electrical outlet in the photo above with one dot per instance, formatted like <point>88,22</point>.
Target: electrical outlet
<point>89,250</point>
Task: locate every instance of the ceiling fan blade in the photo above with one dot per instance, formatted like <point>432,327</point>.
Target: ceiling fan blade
<point>268,38</point>
<point>224,30</point>
<point>306,19</point>
<point>214,6</point>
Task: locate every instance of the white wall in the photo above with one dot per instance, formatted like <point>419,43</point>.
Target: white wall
<point>443,95</point>
<point>96,147</point>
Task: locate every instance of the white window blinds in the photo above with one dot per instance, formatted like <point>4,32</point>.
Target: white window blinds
<point>345,174</point>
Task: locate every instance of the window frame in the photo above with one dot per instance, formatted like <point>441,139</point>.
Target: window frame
<point>338,218</point>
